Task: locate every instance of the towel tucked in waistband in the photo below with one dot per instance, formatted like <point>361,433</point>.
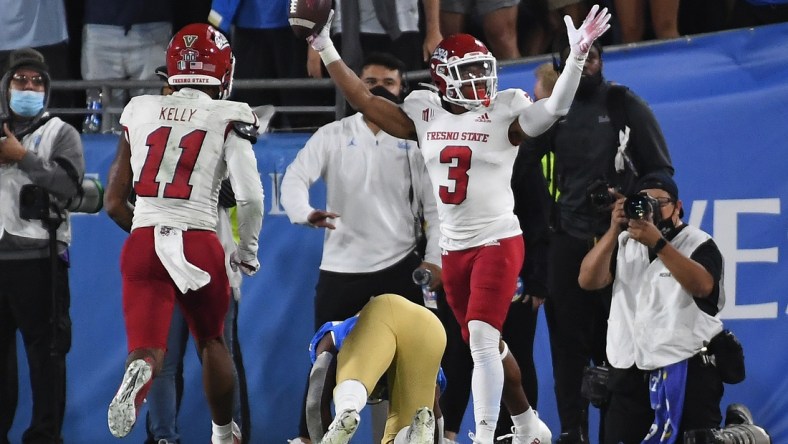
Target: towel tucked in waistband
<point>169,247</point>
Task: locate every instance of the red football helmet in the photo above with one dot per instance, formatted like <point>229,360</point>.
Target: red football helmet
<point>200,55</point>
<point>462,62</point>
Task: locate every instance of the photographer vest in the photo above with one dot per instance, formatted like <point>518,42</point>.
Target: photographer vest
<point>40,142</point>
<point>653,320</point>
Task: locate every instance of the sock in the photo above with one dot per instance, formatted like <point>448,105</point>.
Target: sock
<point>350,395</point>
<point>487,378</point>
<point>525,420</point>
<point>222,434</point>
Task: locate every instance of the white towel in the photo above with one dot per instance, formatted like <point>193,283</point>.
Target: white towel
<point>169,247</point>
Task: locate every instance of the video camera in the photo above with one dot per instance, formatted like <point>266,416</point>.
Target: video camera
<point>739,429</point>
<point>35,202</point>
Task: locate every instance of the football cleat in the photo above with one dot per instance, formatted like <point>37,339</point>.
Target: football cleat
<point>422,429</point>
<point>342,428</point>
<point>123,410</point>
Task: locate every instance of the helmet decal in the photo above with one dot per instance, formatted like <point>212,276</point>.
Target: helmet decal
<point>200,55</point>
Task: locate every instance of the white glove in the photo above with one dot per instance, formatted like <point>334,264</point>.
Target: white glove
<point>322,40</point>
<point>247,267</point>
<point>593,26</point>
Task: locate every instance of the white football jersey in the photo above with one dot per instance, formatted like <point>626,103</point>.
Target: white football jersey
<point>469,159</point>
<point>180,145</point>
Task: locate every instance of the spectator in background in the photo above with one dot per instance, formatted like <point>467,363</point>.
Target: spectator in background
<point>45,152</point>
<point>585,144</point>
<point>373,227</point>
<point>362,27</point>
<point>758,12</point>
<point>540,22</point>
<point>41,25</point>
<point>265,48</point>
<point>499,22</point>
<point>631,15</point>
<point>546,76</point>
<point>123,40</point>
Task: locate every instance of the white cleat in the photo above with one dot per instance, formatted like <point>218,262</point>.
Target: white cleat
<point>422,429</point>
<point>539,434</point>
<point>342,428</point>
<point>122,412</point>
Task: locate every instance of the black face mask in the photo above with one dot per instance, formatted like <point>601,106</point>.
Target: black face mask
<point>589,84</point>
<point>381,91</point>
<point>667,227</point>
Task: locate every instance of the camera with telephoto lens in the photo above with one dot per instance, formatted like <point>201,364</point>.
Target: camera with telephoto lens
<point>739,429</point>
<point>35,202</point>
<point>732,434</point>
<point>640,206</point>
<point>599,195</point>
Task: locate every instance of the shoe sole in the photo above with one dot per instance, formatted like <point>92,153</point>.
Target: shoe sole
<point>345,428</point>
<point>422,431</point>
<point>122,412</point>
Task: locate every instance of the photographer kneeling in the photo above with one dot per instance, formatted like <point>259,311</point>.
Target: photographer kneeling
<point>667,291</point>
<point>41,154</point>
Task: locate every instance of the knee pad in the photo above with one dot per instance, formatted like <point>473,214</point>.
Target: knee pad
<point>484,341</point>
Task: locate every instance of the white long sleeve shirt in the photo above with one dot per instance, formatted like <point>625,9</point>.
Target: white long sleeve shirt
<point>368,177</point>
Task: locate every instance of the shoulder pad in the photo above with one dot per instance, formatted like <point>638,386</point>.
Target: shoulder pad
<point>245,130</point>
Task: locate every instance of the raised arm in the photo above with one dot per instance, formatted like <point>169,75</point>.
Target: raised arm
<point>382,112</point>
<point>538,118</point>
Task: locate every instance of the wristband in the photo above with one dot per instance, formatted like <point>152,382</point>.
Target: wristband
<point>659,245</point>
<point>329,55</point>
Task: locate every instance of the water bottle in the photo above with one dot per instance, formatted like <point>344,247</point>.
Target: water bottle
<point>92,122</point>
<point>422,277</point>
<point>518,290</point>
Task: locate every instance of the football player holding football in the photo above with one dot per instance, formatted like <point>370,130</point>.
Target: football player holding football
<point>468,134</point>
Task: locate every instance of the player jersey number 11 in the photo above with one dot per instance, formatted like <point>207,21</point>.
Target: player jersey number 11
<point>178,187</point>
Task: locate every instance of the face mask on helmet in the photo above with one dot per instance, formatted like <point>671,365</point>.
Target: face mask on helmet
<point>473,82</point>
<point>464,71</point>
<point>199,55</point>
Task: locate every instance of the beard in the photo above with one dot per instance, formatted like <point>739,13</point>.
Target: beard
<point>588,84</point>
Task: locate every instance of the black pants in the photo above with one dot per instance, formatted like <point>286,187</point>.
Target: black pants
<point>26,305</point>
<point>339,296</point>
<point>629,414</point>
<point>577,321</point>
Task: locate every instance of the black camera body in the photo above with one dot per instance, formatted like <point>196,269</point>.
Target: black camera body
<point>641,206</point>
<point>732,434</point>
<point>599,196</point>
<point>35,202</point>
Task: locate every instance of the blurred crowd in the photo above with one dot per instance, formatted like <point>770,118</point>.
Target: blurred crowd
<point>114,39</point>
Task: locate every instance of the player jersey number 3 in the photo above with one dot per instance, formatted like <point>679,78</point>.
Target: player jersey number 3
<point>458,173</point>
<point>178,187</point>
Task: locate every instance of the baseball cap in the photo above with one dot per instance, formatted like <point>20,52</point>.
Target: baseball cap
<point>659,180</point>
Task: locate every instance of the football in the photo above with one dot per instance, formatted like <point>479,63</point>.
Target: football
<point>308,17</point>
